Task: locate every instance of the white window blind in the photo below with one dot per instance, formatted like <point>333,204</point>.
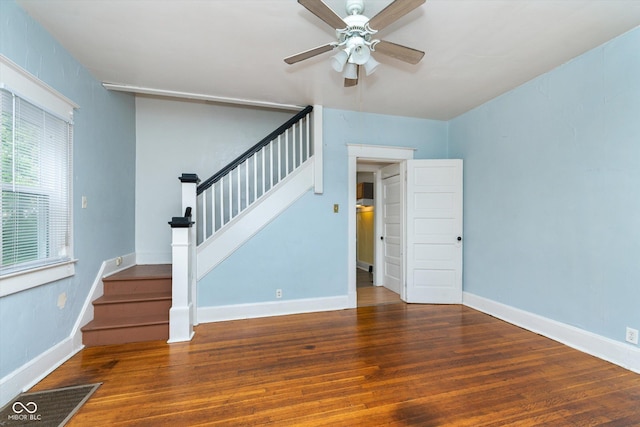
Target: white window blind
<point>36,179</point>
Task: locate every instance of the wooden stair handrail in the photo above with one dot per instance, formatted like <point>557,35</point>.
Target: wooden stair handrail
<point>251,151</point>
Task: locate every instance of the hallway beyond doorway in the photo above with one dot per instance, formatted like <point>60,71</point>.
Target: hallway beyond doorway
<point>369,295</point>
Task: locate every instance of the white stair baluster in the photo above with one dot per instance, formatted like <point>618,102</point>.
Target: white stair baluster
<point>221,191</point>
<point>255,175</point>
<point>204,214</point>
<point>213,209</point>
<point>279,159</point>
<point>264,172</point>
<point>229,190</point>
<point>300,142</point>
<point>286,153</point>
<point>293,147</point>
<point>239,190</point>
<point>271,163</point>
<point>232,195</point>
<point>246,183</point>
<point>308,123</point>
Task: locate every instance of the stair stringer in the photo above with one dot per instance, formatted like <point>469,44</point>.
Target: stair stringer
<point>238,231</point>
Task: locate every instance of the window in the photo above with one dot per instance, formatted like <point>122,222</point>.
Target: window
<point>35,201</point>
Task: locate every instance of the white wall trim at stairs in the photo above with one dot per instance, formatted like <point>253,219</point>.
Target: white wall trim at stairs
<point>318,149</point>
<point>108,268</point>
<point>29,374</point>
<point>271,308</point>
<point>619,353</point>
<point>217,248</point>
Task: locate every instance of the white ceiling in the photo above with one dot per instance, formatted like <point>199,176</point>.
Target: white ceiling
<point>475,49</point>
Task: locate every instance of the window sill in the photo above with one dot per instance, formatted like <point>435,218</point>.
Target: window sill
<point>18,282</point>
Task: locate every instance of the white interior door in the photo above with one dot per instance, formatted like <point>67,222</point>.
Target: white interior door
<point>391,237</point>
<point>434,231</point>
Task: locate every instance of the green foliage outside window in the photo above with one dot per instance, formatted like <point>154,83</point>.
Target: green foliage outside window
<point>24,211</point>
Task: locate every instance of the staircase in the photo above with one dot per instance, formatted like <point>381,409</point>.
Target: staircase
<point>243,197</point>
<point>134,307</point>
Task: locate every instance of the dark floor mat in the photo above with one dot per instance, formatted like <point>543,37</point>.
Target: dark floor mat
<point>49,408</point>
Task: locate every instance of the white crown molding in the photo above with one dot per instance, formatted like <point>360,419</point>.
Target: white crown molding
<point>200,96</point>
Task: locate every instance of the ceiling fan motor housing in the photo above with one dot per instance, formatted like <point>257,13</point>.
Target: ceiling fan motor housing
<point>357,25</point>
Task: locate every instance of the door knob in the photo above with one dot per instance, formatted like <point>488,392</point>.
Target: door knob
<point>459,238</point>
<point>381,237</point>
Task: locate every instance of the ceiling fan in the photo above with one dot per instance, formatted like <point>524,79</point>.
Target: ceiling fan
<point>355,37</point>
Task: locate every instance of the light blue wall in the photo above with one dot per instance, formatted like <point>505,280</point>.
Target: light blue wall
<point>103,171</point>
<point>304,251</point>
<point>552,192</point>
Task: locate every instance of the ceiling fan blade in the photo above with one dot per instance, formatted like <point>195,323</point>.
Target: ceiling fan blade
<point>309,53</point>
<point>324,12</point>
<point>403,53</point>
<point>390,14</point>
<point>352,82</point>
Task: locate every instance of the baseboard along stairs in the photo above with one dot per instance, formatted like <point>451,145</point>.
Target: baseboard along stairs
<point>133,308</point>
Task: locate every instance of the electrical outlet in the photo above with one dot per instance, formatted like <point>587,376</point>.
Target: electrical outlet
<point>632,335</point>
<point>278,293</point>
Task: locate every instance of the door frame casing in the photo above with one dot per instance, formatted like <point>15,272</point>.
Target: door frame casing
<point>371,153</point>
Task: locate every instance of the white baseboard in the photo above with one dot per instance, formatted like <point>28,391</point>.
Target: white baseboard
<point>36,369</point>
<point>619,353</point>
<point>272,308</point>
<point>364,265</point>
<point>39,367</point>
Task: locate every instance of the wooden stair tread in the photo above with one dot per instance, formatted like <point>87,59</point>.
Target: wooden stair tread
<point>132,298</point>
<point>134,307</point>
<point>142,272</point>
<point>128,322</point>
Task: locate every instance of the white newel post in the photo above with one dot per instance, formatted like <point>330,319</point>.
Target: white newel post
<point>190,183</point>
<point>180,314</point>
<point>183,306</point>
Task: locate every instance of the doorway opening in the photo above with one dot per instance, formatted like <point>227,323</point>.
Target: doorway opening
<point>370,292</point>
<point>368,162</point>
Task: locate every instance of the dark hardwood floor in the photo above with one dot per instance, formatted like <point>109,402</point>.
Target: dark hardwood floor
<point>372,295</point>
<point>393,364</point>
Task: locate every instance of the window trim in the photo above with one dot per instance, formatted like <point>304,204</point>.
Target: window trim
<point>29,87</point>
<point>27,279</point>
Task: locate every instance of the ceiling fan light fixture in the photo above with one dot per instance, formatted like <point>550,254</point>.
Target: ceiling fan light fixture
<point>360,55</point>
<point>370,66</point>
<point>350,71</point>
<point>339,59</point>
